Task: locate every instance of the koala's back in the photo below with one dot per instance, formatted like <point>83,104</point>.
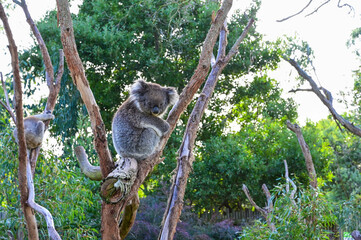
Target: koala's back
<point>129,137</point>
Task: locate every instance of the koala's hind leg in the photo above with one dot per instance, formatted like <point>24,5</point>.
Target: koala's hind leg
<point>148,142</point>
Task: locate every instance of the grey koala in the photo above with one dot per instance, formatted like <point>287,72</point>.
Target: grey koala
<point>34,130</point>
<point>137,125</point>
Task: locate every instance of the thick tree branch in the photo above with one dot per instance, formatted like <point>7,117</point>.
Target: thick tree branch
<point>306,153</point>
<point>324,98</point>
<point>186,157</point>
<point>110,212</point>
<point>78,75</point>
<point>146,166</point>
<point>24,194</point>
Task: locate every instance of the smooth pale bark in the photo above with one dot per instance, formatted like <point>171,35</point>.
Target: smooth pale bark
<point>24,193</point>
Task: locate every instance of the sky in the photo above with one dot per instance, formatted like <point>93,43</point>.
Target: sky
<point>327,32</point>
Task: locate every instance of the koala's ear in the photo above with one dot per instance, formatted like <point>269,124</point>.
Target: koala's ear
<point>172,95</point>
<point>139,88</point>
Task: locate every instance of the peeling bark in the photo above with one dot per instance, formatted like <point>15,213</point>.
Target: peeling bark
<point>306,153</point>
<point>186,157</point>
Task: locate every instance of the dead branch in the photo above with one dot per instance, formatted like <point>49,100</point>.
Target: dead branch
<point>288,181</point>
<point>306,153</point>
<point>351,9</point>
<point>346,124</point>
<point>92,172</point>
<point>345,5</point>
<point>186,157</point>
<point>300,90</point>
<point>298,13</point>
<point>44,51</point>
<point>78,75</point>
<point>318,8</point>
<point>29,215</point>
<point>264,211</point>
<point>53,234</point>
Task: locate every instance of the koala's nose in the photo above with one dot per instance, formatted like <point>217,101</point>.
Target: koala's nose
<point>155,110</point>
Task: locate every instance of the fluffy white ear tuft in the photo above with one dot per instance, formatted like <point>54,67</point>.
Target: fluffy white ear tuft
<point>139,87</point>
<point>173,95</point>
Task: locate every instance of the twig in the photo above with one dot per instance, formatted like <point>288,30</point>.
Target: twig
<point>284,19</point>
<point>300,90</point>
<point>318,8</point>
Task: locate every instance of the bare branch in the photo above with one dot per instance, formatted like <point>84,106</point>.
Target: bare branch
<point>22,156</point>
<point>78,75</point>
<point>53,234</point>
<point>92,172</point>
<point>300,90</point>
<point>7,105</point>
<point>349,126</point>
<point>250,199</point>
<point>318,8</point>
<point>306,153</point>
<point>44,51</point>
<point>234,49</point>
<point>345,5</point>
<point>288,181</point>
<point>186,157</point>
<point>303,9</point>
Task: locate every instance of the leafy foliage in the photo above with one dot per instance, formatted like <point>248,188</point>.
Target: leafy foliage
<point>59,187</point>
<point>295,221</point>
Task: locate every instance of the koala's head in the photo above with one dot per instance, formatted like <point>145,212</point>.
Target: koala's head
<point>152,98</point>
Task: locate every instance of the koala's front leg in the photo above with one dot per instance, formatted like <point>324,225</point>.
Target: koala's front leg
<point>157,124</point>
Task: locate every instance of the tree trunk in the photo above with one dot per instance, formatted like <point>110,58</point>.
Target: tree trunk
<point>24,193</point>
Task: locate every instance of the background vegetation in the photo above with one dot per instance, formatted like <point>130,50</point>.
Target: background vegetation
<point>243,138</point>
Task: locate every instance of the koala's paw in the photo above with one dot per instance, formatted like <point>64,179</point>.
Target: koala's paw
<point>166,128</point>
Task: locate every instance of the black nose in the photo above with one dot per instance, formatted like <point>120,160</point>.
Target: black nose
<point>155,110</point>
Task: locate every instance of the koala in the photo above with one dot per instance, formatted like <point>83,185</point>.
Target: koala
<point>138,125</point>
<point>34,130</point>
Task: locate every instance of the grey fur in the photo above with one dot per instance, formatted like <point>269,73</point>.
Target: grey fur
<point>137,125</point>
<point>34,129</point>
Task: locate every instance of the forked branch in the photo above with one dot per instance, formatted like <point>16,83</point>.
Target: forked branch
<point>186,157</point>
<point>325,97</point>
<point>266,212</point>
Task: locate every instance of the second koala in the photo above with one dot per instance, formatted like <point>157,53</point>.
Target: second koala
<point>137,125</point>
